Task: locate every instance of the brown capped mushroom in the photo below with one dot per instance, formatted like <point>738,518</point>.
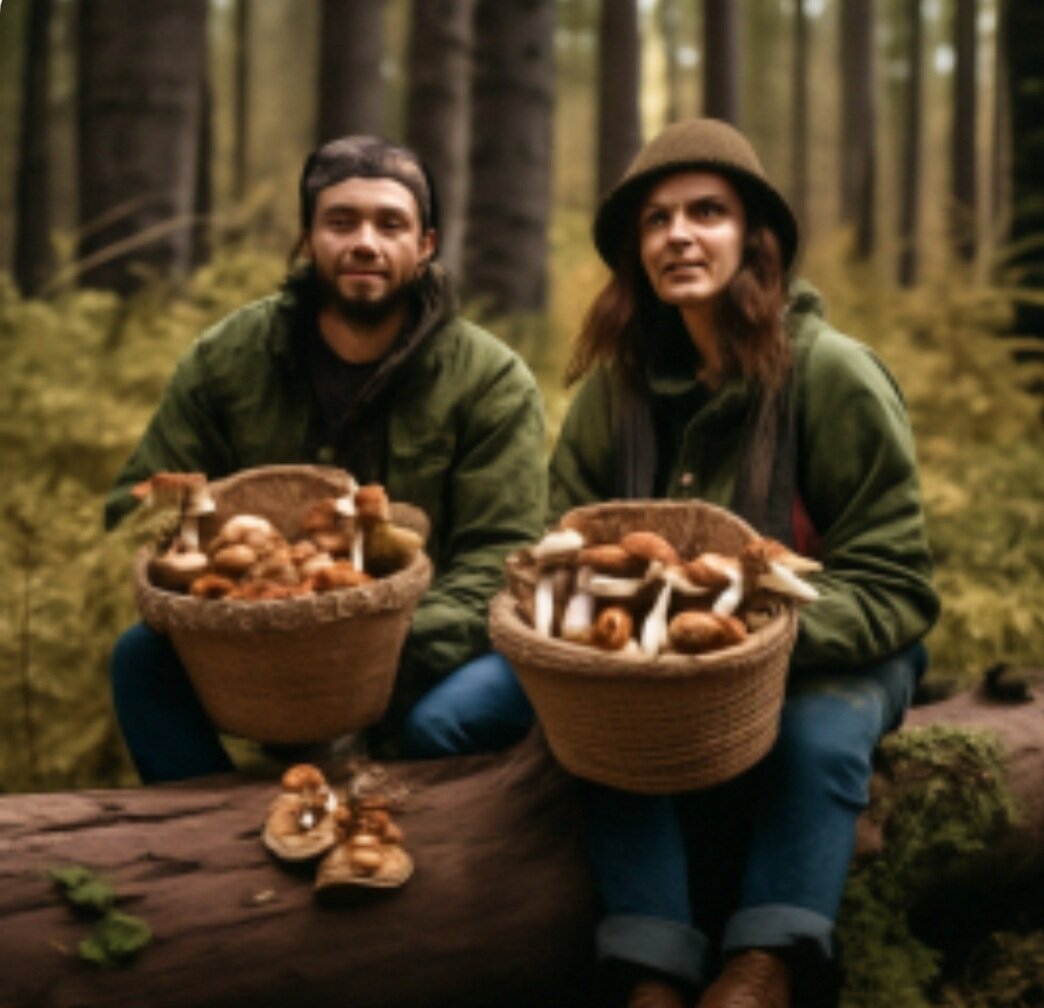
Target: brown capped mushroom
<point>613,629</point>
<point>695,631</point>
<point>650,546</point>
<point>381,547</point>
<point>556,551</point>
<point>302,821</point>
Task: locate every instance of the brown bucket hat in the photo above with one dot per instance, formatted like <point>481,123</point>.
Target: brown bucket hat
<point>694,144</point>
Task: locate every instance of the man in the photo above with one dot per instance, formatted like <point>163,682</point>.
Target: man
<point>359,361</point>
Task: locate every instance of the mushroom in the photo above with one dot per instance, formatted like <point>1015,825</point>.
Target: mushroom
<point>613,629</point>
<point>212,586</point>
<point>301,822</point>
<point>234,560</point>
<point>381,547</point>
<point>556,551</point>
<point>338,574</point>
<point>769,565</point>
<point>251,530</point>
<point>175,570</point>
<point>183,561</point>
<point>188,493</point>
<point>694,631</point>
<point>330,524</point>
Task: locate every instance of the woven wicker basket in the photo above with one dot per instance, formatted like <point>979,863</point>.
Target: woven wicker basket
<point>293,670</point>
<point>657,726</point>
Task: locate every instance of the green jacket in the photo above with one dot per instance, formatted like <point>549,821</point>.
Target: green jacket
<point>856,476</point>
<point>465,442</point>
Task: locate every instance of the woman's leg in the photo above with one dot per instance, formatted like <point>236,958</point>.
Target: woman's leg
<point>166,729</point>
<point>812,787</point>
<point>480,707</point>
<point>637,852</point>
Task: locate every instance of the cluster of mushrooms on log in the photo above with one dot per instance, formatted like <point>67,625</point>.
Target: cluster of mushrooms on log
<point>344,542</point>
<point>352,830</point>
<point>639,596</point>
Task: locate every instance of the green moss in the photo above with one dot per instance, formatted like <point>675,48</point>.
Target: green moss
<point>945,801</point>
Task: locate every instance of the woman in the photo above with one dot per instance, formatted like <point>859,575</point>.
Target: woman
<point>704,375</point>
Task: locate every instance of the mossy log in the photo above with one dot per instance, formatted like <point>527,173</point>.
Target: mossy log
<point>500,911</point>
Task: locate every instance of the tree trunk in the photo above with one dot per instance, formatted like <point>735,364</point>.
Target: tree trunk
<point>438,110</point>
<point>140,71</point>
<point>33,256</point>
<point>351,88</point>
<point>619,63</point>
<point>910,170</point>
<point>965,150</point>
<point>858,125</point>
<point>499,913</point>
<point>669,17</point>
<point>721,60</point>
<point>799,117</point>
<point>241,100</point>
<point>511,155</point>
<point>1024,34</point>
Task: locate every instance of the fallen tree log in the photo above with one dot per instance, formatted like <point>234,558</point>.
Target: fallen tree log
<point>500,911</point>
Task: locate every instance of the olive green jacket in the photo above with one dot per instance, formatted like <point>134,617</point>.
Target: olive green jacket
<point>465,443</point>
<point>856,476</point>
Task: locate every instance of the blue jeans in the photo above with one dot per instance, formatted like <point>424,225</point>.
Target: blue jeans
<point>760,861</point>
<point>170,737</point>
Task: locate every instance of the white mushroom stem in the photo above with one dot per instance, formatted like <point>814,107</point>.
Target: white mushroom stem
<point>579,610</point>
<point>654,629</point>
<point>188,535</point>
<point>728,601</point>
<point>779,578</point>
<point>544,604</point>
<point>358,548</point>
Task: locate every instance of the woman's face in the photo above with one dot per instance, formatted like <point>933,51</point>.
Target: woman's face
<point>691,229</point>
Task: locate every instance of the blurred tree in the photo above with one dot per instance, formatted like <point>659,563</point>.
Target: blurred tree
<point>438,103</point>
<point>669,19</point>
<point>619,65</point>
<point>799,117</point>
<point>33,258</point>
<point>963,170</point>
<point>351,87</point>
<point>140,102</point>
<point>912,131</point>
<point>1024,35</point>
<point>241,99</point>
<point>511,154</point>
<point>858,124</point>
<point>721,59</point>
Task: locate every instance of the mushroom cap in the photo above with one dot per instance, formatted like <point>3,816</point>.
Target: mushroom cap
<point>254,530</point>
<point>175,570</point>
<point>610,558</point>
<point>169,487</point>
<point>339,574</point>
<point>234,559</point>
<point>712,570</point>
<point>212,586</point>
<point>557,547</point>
<point>301,776</point>
<point>693,631</point>
<point>340,869</point>
<point>285,838</point>
<point>371,503</point>
<point>613,628</point>
<point>650,546</point>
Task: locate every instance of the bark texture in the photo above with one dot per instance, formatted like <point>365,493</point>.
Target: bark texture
<point>140,102</point>
<point>499,913</point>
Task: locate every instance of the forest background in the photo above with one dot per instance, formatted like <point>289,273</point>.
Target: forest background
<point>872,116</point>
<point>149,154</point>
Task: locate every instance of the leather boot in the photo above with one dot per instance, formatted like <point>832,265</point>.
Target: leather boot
<point>755,978</point>
<point>656,994</point>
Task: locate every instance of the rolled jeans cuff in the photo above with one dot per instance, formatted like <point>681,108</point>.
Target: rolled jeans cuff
<point>662,945</point>
<point>779,926</point>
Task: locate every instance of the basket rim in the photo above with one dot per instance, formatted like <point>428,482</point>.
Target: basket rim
<point>582,660</point>
<point>662,504</point>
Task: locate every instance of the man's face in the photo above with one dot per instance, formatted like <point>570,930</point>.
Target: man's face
<point>367,246</point>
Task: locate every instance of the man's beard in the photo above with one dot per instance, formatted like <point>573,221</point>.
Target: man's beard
<point>364,312</point>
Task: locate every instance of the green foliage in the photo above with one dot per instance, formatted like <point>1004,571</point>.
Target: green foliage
<point>949,802</point>
<point>117,937</point>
